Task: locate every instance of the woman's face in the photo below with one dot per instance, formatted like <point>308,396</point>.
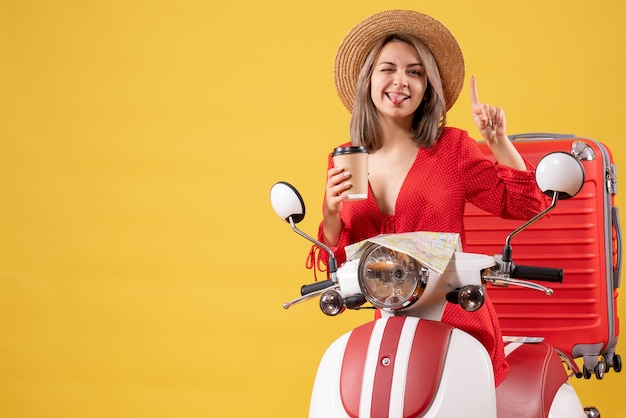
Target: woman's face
<point>398,81</point>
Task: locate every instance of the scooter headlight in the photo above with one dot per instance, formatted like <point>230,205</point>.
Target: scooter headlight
<point>390,279</point>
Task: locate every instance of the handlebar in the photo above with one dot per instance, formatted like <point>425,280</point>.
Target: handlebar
<point>535,273</point>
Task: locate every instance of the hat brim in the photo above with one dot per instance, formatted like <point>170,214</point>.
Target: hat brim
<point>361,39</point>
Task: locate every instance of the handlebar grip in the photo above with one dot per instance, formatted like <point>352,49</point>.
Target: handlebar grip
<point>541,274</point>
<point>314,287</point>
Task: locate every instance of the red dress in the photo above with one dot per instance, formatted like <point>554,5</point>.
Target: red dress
<point>432,198</point>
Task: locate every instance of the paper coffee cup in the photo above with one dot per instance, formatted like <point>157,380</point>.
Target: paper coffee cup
<point>354,160</point>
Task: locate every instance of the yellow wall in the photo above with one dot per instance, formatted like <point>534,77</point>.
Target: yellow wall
<point>142,269</point>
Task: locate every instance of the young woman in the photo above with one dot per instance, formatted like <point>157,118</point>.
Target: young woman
<point>398,72</point>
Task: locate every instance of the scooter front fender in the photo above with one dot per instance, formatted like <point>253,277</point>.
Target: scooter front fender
<point>404,367</point>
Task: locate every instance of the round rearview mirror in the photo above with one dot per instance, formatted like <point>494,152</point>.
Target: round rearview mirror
<point>287,202</point>
<point>560,172</point>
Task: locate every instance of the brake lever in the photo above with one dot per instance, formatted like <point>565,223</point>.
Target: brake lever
<point>506,281</point>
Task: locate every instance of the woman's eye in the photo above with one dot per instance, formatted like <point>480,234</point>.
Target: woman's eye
<point>415,72</point>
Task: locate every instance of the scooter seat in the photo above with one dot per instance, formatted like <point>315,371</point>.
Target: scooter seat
<point>535,375</point>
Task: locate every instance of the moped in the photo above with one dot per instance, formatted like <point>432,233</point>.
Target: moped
<point>408,363</point>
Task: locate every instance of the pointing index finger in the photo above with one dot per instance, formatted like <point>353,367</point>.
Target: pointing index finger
<point>473,91</point>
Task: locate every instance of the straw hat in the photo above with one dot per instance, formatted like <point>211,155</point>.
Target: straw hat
<point>361,39</point>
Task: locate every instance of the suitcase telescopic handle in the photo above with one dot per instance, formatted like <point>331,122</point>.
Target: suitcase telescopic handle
<point>540,135</point>
<point>539,274</point>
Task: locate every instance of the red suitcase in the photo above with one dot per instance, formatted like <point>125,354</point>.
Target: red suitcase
<point>582,236</point>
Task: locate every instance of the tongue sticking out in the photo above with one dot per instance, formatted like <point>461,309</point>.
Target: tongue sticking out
<point>396,99</point>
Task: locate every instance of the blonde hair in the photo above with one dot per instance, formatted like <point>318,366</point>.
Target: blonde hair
<point>429,118</point>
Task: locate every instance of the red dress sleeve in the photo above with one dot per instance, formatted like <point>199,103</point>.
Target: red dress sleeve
<point>498,189</point>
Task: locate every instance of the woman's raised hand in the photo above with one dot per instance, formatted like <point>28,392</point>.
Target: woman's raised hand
<point>490,120</point>
<point>492,125</point>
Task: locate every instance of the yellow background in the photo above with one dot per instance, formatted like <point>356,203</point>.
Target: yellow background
<point>142,270</point>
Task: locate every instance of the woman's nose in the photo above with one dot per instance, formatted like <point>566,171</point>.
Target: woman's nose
<point>400,80</point>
